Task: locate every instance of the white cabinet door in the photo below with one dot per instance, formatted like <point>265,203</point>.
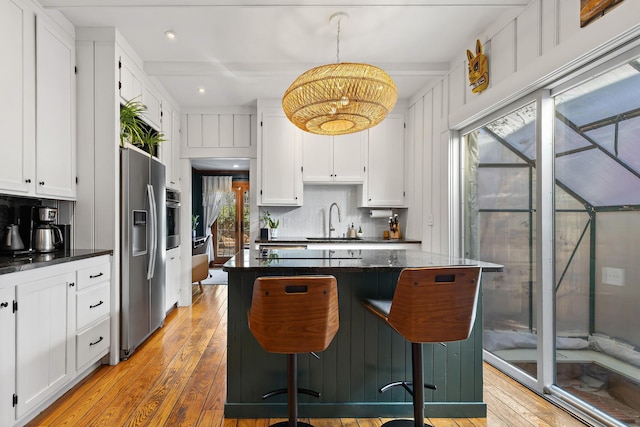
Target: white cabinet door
<point>55,111</point>
<point>17,89</point>
<point>130,82</point>
<point>385,172</point>
<point>173,278</point>
<point>45,346</point>
<point>175,150</point>
<point>166,148</point>
<point>281,178</point>
<point>7,355</point>
<point>317,158</point>
<point>152,101</point>
<point>348,157</point>
<point>338,159</point>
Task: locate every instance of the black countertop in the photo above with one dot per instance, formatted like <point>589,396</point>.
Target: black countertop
<point>318,261</point>
<point>338,240</point>
<point>10,264</point>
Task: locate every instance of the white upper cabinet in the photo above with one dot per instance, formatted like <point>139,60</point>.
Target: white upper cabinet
<point>280,176</point>
<point>17,109</point>
<point>152,101</point>
<point>55,113</point>
<point>134,86</point>
<point>337,159</point>
<point>385,171</point>
<point>130,80</point>
<point>38,109</point>
<point>170,148</point>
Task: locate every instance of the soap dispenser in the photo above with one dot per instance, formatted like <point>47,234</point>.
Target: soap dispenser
<point>352,232</point>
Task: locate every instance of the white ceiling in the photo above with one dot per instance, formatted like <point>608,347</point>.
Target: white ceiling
<point>239,51</point>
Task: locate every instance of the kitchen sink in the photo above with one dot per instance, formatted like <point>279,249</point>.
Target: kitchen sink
<point>333,239</point>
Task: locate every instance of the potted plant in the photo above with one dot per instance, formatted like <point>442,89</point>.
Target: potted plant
<point>194,224</point>
<point>272,224</point>
<point>135,131</point>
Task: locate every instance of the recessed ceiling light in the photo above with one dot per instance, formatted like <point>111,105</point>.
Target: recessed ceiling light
<point>170,35</point>
<point>200,90</point>
<point>236,166</point>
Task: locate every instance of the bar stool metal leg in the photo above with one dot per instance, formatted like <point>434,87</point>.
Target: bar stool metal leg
<point>416,391</point>
<point>292,395</point>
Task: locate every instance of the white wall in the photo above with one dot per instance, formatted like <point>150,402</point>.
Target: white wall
<point>534,49</point>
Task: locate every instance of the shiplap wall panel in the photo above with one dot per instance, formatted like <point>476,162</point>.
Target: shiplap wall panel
<point>444,103</point>
<point>568,19</point>
<point>194,130</point>
<point>427,177</point>
<point>242,130</point>
<point>502,59</point>
<point>226,130</point>
<point>439,176</point>
<point>457,85</point>
<point>414,154</point>
<point>528,36</point>
<point>549,25</point>
<point>210,130</point>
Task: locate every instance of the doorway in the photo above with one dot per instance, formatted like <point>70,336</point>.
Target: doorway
<point>230,230</point>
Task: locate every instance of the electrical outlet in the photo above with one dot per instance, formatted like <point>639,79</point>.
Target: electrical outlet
<point>430,219</point>
<point>613,276</point>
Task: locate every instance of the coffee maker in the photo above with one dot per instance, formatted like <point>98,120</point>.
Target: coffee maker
<point>38,230</point>
<point>47,237</point>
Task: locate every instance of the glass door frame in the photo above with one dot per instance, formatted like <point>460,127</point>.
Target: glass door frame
<point>239,188</point>
<point>545,303</point>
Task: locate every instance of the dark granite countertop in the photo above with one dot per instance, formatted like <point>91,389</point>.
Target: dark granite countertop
<point>323,261</point>
<point>10,264</point>
<point>338,240</point>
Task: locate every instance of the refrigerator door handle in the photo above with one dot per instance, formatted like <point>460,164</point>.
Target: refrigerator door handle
<point>154,232</point>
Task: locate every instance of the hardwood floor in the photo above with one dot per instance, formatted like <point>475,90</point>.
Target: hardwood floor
<point>178,378</point>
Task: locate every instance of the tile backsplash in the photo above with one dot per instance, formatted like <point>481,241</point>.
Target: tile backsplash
<point>312,219</point>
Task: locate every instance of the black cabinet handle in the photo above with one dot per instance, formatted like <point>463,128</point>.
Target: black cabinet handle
<point>41,183</point>
<point>4,304</point>
<point>71,285</point>
<point>94,343</point>
<point>28,181</point>
<point>96,305</point>
<point>97,275</point>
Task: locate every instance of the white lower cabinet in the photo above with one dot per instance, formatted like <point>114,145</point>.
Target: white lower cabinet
<point>173,278</point>
<point>7,354</point>
<point>55,323</point>
<point>44,350</point>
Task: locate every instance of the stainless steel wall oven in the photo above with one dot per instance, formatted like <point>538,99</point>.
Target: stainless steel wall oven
<point>173,218</point>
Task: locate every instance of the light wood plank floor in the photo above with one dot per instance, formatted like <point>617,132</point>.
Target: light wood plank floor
<point>177,378</point>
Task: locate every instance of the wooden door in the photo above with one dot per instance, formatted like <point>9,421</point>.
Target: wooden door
<point>231,229</point>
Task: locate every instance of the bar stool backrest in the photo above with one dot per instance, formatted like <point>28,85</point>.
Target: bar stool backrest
<point>296,314</point>
<point>435,304</point>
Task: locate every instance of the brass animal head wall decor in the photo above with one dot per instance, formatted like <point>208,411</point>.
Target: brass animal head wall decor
<point>478,69</point>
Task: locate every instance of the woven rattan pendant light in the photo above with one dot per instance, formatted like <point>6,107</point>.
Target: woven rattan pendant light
<point>341,98</point>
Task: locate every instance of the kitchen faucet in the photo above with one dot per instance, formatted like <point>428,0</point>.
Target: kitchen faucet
<point>331,227</point>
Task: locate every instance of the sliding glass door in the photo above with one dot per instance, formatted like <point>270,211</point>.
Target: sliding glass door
<point>552,192</point>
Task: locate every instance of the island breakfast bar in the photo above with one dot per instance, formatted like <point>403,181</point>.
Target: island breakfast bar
<point>364,355</point>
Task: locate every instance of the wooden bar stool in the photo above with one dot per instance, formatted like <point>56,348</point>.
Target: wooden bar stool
<point>430,305</point>
<point>291,315</point>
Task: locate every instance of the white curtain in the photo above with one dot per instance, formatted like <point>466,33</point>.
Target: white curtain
<point>213,190</point>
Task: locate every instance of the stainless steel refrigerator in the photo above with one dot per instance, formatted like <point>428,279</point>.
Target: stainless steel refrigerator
<point>142,248</point>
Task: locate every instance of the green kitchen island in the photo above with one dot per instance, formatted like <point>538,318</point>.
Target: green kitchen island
<point>364,355</point>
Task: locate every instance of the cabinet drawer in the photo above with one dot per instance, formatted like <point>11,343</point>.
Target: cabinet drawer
<point>92,304</point>
<point>92,343</point>
<point>92,275</point>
